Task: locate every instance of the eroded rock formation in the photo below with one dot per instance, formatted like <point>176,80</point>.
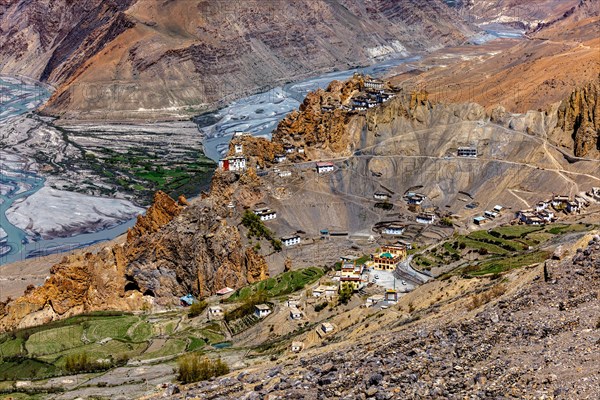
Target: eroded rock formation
<point>172,250</point>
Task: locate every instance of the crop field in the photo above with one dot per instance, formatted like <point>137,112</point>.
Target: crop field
<point>497,250</point>
<point>283,284</point>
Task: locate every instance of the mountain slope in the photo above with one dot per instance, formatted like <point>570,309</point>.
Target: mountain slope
<point>148,58</point>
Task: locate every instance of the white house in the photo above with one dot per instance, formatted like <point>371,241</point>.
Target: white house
<point>265,214</point>
<point>467,152</point>
<point>416,199</point>
<point>381,196</point>
<point>324,167</point>
<point>215,312</point>
<point>279,158</point>
<point>232,164</point>
<point>295,313</point>
<point>426,218</point>
<point>297,347</point>
<point>394,230</point>
<point>290,240</point>
<point>262,310</point>
<point>374,84</point>
<point>285,174</point>
<point>326,328</point>
<point>301,150</point>
<point>289,148</point>
<point>490,214</point>
<point>542,205</point>
<point>239,148</point>
<point>373,300</point>
<point>324,291</point>
<point>560,201</point>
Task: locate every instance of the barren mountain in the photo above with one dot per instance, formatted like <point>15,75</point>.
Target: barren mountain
<point>148,58</point>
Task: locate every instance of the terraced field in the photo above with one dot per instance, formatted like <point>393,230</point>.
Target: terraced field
<point>496,250</point>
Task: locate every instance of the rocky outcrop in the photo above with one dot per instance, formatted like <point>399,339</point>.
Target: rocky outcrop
<point>139,59</point>
<point>171,251</point>
<point>579,119</point>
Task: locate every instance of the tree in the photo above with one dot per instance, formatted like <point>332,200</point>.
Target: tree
<point>193,368</point>
<point>346,292</point>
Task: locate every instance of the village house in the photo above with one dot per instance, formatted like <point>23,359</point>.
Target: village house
<point>373,300</point>
<point>381,196</point>
<point>546,215</point>
<point>490,214</point>
<point>595,193</point>
<point>348,258</point>
<point>239,148</point>
<point>297,347</point>
<point>265,214</point>
<point>288,148</point>
<point>285,174</point>
<point>324,167</point>
<point>232,164</point>
<point>295,313</point>
<point>326,291</point>
<point>560,202</point>
<point>290,240</point>
<point>573,207</point>
<point>426,218</point>
<point>225,291</point>
<point>262,310</point>
<point>325,329</point>
<point>374,84</point>
<point>529,217</point>
<point>394,230</point>
<point>416,199</point>
<point>187,300</point>
<point>391,296</point>
<point>351,269</point>
<point>480,220</point>
<point>542,205</point>
<point>498,209</point>
<point>215,313</point>
<point>467,152</point>
<point>355,282</point>
<point>279,158</point>
<point>405,243</point>
<point>301,150</point>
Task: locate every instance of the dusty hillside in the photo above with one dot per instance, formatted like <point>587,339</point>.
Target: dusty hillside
<point>529,74</point>
<point>536,338</point>
<point>149,58</point>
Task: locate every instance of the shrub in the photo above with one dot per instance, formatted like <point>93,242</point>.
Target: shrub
<point>197,308</point>
<point>485,297</point>
<point>346,293</point>
<point>446,221</point>
<point>319,307</point>
<point>462,245</point>
<point>483,251</point>
<point>81,362</point>
<point>193,368</point>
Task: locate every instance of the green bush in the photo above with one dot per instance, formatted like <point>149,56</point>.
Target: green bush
<point>197,308</point>
<point>194,367</point>
<point>346,293</point>
<point>319,307</point>
<point>81,362</point>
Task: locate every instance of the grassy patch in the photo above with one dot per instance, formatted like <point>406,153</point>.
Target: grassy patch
<point>508,263</point>
<point>112,327</point>
<point>54,340</point>
<point>169,348</point>
<point>283,284</point>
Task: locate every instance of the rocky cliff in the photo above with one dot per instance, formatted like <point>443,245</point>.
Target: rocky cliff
<point>579,120</point>
<point>172,250</point>
<point>139,59</point>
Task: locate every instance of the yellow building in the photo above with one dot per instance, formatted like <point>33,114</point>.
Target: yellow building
<point>389,257</point>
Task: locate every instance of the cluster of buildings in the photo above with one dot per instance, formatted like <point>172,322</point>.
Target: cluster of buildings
<point>488,215</point>
<point>467,152</point>
<point>545,211</point>
<point>373,94</point>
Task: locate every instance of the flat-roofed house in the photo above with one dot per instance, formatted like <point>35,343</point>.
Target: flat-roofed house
<point>324,167</point>
<point>262,310</point>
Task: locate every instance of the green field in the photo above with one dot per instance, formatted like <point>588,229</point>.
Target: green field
<point>283,284</point>
<point>496,250</point>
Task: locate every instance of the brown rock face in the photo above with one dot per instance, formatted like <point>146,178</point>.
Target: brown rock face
<point>579,117</point>
<point>172,250</point>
